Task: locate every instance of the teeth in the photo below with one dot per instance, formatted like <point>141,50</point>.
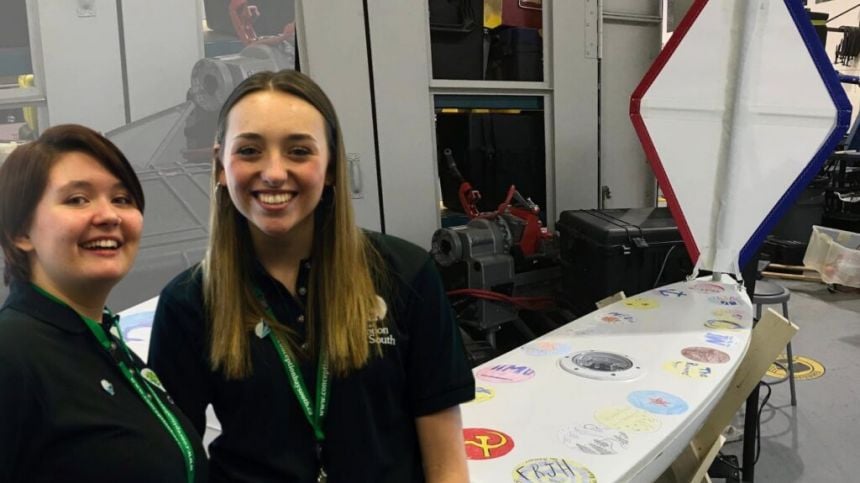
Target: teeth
<point>274,199</point>
<point>102,244</point>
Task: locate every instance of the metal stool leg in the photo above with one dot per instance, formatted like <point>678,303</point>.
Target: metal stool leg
<point>757,313</point>
<point>790,361</point>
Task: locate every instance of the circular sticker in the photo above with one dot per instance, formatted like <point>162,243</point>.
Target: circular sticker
<point>672,292</point>
<point>805,368</point>
<point>594,439</point>
<point>693,370</point>
<point>720,324</point>
<point>546,348</point>
<point>552,470</point>
<point>485,444</point>
<point>626,418</point>
<point>736,314</point>
<point>725,300</point>
<point>721,340</point>
<point>707,288</point>
<point>615,318</point>
<point>641,303</point>
<point>130,323</point>
<point>506,373</point>
<point>705,354</point>
<point>657,402</point>
<point>600,329</point>
<point>483,394</point>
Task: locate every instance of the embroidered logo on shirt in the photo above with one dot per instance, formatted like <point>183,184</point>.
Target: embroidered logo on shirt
<point>380,335</point>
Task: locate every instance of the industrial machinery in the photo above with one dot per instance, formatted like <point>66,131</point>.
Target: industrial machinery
<point>503,253</point>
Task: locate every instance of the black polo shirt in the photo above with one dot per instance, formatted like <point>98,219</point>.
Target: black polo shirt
<point>66,411</point>
<point>370,426</point>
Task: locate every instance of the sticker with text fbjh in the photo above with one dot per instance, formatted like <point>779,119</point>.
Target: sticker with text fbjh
<point>552,470</point>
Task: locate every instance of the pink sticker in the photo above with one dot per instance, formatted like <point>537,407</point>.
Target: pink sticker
<point>506,373</point>
<point>706,355</point>
<point>707,288</point>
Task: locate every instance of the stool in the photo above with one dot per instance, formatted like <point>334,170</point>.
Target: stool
<point>768,293</point>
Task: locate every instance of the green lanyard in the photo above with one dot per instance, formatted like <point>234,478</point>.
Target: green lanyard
<point>145,391</point>
<point>315,414</point>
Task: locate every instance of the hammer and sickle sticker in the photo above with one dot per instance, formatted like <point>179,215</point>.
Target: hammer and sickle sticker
<point>485,444</point>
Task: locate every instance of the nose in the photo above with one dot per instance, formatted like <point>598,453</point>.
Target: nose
<point>106,214</point>
<point>275,171</point>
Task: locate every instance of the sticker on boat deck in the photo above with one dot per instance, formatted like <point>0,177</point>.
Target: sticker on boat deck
<point>590,330</point>
<point>725,300</point>
<point>693,370</point>
<point>134,327</point>
<point>642,303</point>
<point>483,394</point>
<point>722,324</point>
<point>552,470</point>
<point>736,314</point>
<point>626,418</point>
<point>705,354</point>
<point>594,439</point>
<point>506,373</point>
<point>546,348</point>
<point>805,368</point>
<point>658,402</point>
<point>485,444</point>
<point>672,292</point>
<point>721,340</point>
<point>615,318</point>
<point>707,288</point>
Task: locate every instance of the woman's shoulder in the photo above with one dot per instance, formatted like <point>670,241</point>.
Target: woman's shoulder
<point>403,257</point>
<point>187,286</point>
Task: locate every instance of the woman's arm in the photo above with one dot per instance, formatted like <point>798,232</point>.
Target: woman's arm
<point>440,436</point>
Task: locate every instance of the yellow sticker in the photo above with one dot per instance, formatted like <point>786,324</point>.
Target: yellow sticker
<point>552,470</point>
<point>627,418</point>
<point>805,368</point>
<point>483,394</point>
<point>641,303</point>
<point>693,370</point>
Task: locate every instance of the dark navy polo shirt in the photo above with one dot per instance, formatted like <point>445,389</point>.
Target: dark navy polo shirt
<point>370,427</point>
<point>66,411</point>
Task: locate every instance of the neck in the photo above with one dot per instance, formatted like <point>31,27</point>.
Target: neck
<point>281,256</point>
<point>90,303</point>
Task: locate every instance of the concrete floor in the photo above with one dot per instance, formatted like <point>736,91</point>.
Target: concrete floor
<point>816,441</point>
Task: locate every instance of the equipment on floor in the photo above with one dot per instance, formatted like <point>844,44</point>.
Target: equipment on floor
<point>501,252</point>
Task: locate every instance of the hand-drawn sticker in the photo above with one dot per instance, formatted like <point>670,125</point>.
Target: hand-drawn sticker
<point>705,354</point>
<point>658,402</point>
<point>594,439</point>
<point>641,303</point>
<point>725,300</point>
<point>506,373</point>
<point>693,370</point>
<point>485,444</point>
<point>585,330</point>
<point>483,394</point>
<point>614,317</point>
<point>672,292</point>
<point>804,368</point>
<point>721,340</point>
<point>736,314</point>
<point>626,418</point>
<point>707,288</point>
<point>721,324</point>
<point>552,470</point>
<point>546,348</point>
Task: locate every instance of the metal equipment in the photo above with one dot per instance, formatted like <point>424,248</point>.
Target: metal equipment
<point>502,251</point>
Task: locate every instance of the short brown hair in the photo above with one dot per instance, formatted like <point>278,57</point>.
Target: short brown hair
<point>24,177</point>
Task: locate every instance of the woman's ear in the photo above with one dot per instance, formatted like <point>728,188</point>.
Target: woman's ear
<point>23,243</point>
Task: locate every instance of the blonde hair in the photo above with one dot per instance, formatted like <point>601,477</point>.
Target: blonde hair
<point>342,302</point>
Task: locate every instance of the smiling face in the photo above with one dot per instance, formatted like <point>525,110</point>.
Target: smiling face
<point>85,230</point>
<point>275,161</point>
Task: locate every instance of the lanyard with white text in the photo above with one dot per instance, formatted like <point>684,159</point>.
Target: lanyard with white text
<point>314,414</point>
<point>159,409</point>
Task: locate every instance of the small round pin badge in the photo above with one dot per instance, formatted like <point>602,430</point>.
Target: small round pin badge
<point>262,329</point>
<point>107,386</point>
<point>152,378</point>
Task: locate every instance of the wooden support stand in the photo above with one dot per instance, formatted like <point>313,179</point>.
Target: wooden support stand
<point>769,338</point>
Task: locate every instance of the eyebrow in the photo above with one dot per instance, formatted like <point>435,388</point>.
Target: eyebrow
<point>84,184</point>
<point>252,136</point>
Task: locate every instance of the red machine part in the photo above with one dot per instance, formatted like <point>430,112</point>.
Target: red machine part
<point>242,16</point>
